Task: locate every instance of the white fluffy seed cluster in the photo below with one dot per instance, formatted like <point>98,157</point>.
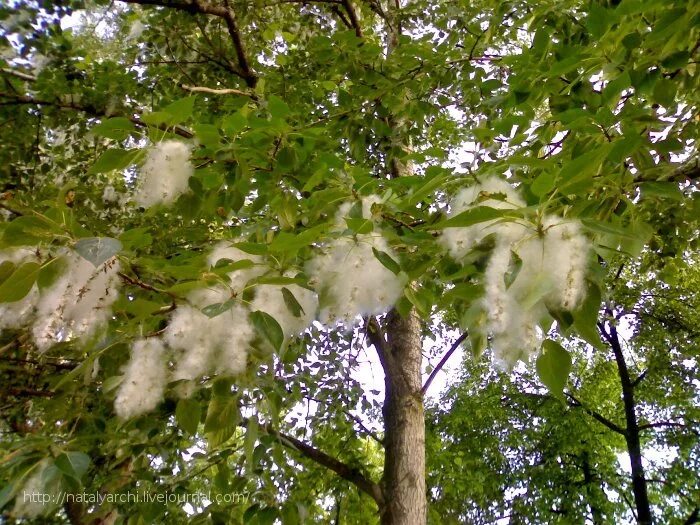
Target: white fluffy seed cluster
<point>349,277</point>
<point>200,345</point>
<point>78,303</point>
<point>164,175</point>
<point>494,193</point>
<point>552,269</point>
<point>37,482</point>
<point>75,306</point>
<point>144,381</point>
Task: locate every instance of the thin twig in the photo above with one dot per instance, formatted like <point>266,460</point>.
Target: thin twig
<point>442,362</point>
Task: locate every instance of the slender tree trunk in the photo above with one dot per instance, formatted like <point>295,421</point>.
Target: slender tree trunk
<point>592,490</point>
<point>403,481</point>
<point>404,422</point>
<point>634,448</point>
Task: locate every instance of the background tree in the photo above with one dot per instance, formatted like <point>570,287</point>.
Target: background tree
<point>313,135</point>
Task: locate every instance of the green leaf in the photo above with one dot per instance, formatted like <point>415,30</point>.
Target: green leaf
<point>544,183</point>
<point>234,123</point>
<point>427,189</point>
<point>31,229</point>
<point>180,110</point>
<point>553,366</point>
<point>141,308</point>
<point>136,238</point>
<point>188,413</point>
<point>606,228</point>
<point>117,128</point>
<point>387,261</point>
<point>207,135</point>
<point>268,328</point>
<point>251,436</point>
<point>359,226</point>
<point>73,464</point>
<point>286,158</point>
<point>537,289</point>
<point>290,242</point>
<point>221,478</point>
<point>664,190</point>
<point>624,147</point>
<point>156,118</point>
<point>18,285</point>
<point>420,299</point>
<point>114,159</point>
<point>463,291</point>
<point>578,173</point>
<point>473,216</point>
<point>514,267</point>
<point>50,272</point>
<point>291,302</point>
<point>586,317</point>
<point>477,343</point>
<point>222,419</point>
<point>7,493</point>
<point>97,250</point>
<point>6,269</point>
<point>252,248</point>
<point>277,107</point>
<point>111,383</point>
<point>215,309</point>
<point>597,20</point>
<point>615,87</point>
<point>277,279</point>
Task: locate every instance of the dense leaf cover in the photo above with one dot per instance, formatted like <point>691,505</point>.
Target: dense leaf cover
<point>208,207</point>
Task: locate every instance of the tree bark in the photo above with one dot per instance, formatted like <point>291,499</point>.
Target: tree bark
<point>634,448</point>
<point>404,423</point>
<point>592,490</point>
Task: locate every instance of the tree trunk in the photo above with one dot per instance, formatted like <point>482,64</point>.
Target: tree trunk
<point>593,489</point>
<point>634,449</point>
<point>404,423</point>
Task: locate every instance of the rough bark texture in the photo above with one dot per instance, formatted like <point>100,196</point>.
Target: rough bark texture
<point>404,460</point>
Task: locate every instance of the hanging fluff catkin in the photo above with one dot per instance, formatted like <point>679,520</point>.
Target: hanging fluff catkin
<point>164,175</point>
<point>553,261</point>
<point>349,277</point>
<point>78,303</point>
<point>145,378</point>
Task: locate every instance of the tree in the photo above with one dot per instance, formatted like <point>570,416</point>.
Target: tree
<point>207,178</point>
<point>548,459</point>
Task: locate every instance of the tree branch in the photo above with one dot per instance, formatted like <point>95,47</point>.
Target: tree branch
<point>18,74</point>
<point>640,378</point>
<point>595,415</point>
<point>352,15</point>
<point>661,424</point>
<point>442,362</point>
<point>694,517</point>
<point>352,416</point>
<point>345,471</point>
<point>376,338</point>
<point>227,14</point>
<point>689,170</point>
<point>16,99</point>
<point>213,91</point>
<point>342,17</point>
<point>146,286</point>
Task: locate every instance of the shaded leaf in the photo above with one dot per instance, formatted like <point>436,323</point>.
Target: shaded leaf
<point>553,366</point>
<point>97,250</point>
<point>18,285</point>
<point>188,413</point>
<point>268,328</point>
